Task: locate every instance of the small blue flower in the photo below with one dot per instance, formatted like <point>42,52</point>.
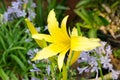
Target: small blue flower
<point>31,14</point>
<point>15,11</point>
<point>105,60</point>
<point>101,55</point>
<point>48,69</point>
<point>115,74</point>
<point>81,70</point>
<point>34,78</point>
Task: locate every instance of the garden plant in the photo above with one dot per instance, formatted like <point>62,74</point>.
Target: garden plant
<point>59,40</point>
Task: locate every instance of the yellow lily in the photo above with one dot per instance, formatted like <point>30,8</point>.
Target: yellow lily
<point>60,41</point>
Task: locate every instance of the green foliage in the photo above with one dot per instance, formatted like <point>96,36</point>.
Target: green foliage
<point>43,8</point>
<point>116,53</point>
<point>13,46</point>
<point>13,49</point>
<point>91,16</point>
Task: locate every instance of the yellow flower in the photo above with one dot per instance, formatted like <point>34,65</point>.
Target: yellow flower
<point>60,41</point>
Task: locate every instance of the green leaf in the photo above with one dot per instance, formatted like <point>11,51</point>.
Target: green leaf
<point>19,62</point>
<point>79,30</point>
<point>92,33</point>
<point>3,75</point>
<point>18,22</point>
<point>105,22</point>
<point>13,76</point>
<point>82,2</point>
<point>84,25</point>
<point>16,48</point>
<point>5,54</point>
<point>62,7</point>
<point>115,4</point>
<point>2,43</point>
<point>39,13</point>
<point>85,16</point>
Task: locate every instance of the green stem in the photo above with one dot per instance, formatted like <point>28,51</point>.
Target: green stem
<point>101,74</point>
<point>2,2</point>
<point>92,33</point>
<point>79,30</point>
<point>68,63</point>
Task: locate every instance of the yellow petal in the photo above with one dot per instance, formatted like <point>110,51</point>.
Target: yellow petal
<point>42,36</point>
<point>34,31</point>
<point>46,52</point>
<point>31,27</point>
<point>73,57</point>
<point>56,33</point>
<point>74,32</point>
<point>83,43</point>
<point>61,60</point>
<point>41,43</point>
<point>53,25</point>
<point>61,57</point>
<point>63,27</point>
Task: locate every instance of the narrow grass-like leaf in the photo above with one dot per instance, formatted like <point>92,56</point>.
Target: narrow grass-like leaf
<point>115,4</point>
<point>85,18</point>
<point>22,56</point>
<point>92,33</point>
<point>2,43</point>
<point>39,13</point>
<point>83,2</point>
<point>13,76</point>
<point>79,30</point>
<point>3,75</point>
<point>3,5</point>
<point>18,61</point>
<point>9,50</point>
<point>16,48</point>
<point>19,22</point>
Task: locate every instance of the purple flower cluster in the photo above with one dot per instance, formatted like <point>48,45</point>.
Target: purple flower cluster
<point>16,10</point>
<point>100,55</point>
<point>31,54</point>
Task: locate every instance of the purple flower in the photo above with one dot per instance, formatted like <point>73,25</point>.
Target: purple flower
<point>105,60</point>
<point>35,69</point>
<point>31,53</point>
<point>83,57</point>
<point>81,70</point>
<point>100,49</point>
<point>45,78</point>
<point>46,28</point>
<point>100,55</point>
<point>15,11</point>
<point>31,14</point>
<point>48,69</point>
<point>115,74</point>
<point>34,78</point>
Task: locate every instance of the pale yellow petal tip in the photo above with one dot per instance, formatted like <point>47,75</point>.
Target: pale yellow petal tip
<point>74,32</point>
<point>97,40</point>
<point>26,19</point>
<point>60,69</point>
<point>37,57</point>
<point>34,59</point>
<point>52,12</point>
<point>94,39</point>
<point>51,15</point>
<point>66,17</point>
